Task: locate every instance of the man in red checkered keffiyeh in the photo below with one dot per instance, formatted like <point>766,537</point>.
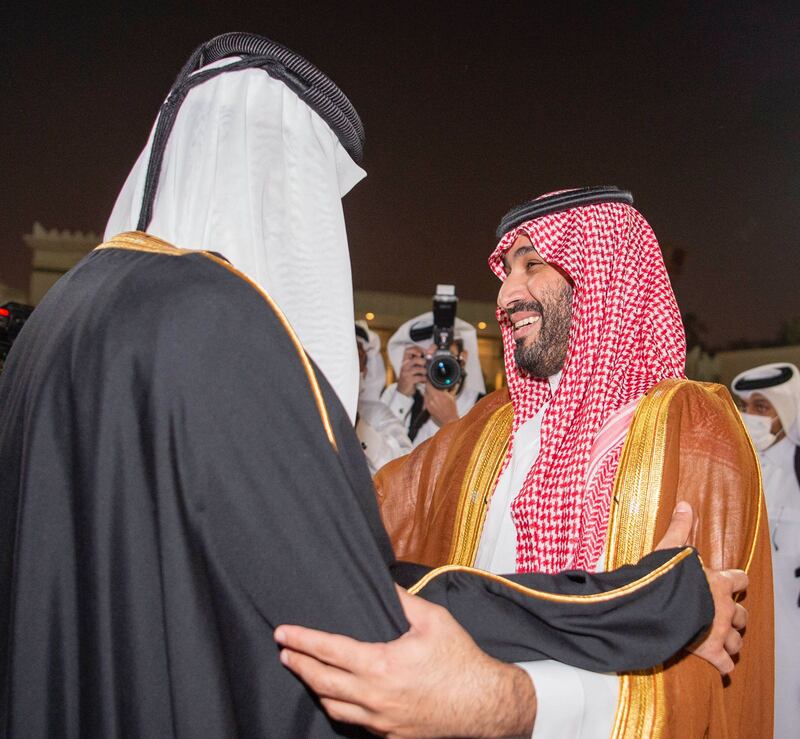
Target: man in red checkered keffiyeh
<point>594,351</point>
<point>585,293</point>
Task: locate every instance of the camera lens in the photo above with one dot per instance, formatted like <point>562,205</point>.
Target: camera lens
<point>444,370</point>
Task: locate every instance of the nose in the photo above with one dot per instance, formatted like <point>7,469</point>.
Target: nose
<point>512,291</point>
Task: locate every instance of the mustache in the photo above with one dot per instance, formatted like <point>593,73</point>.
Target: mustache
<point>530,306</point>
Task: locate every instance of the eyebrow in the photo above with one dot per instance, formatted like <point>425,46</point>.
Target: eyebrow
<point>520,251</point>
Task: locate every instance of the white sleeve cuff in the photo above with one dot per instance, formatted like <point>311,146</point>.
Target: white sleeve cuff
<point>572,703</point>
<point>399,404</point>
<point>374,446</point>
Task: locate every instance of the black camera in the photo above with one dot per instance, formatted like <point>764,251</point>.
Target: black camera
<point>12,319</point>
<point>443,368</point>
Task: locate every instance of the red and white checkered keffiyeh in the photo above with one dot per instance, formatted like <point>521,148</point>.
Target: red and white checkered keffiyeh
<point>626,335</point>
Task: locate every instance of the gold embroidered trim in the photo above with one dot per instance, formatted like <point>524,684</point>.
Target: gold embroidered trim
<point>479,483</point>
<point>637,487</point>
<point>619,592</point>
<point>135,241</point>
<point>631,529</point>
<point>760,501</point>
<point>640,708</point>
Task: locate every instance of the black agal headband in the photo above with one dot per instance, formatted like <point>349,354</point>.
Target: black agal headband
<point>559,202</point>
<point>313,87</point>
<point>784,375</point>
<point>361,333</point>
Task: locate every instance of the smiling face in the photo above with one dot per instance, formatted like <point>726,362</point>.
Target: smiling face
<point>538,300</point>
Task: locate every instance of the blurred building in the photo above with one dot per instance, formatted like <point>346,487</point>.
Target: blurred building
<point>54,253</point>
<point>11,295</point>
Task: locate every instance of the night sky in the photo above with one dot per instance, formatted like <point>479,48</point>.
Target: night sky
<point>695,107</point>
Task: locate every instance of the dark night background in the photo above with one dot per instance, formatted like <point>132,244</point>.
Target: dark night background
<point>468,108</point>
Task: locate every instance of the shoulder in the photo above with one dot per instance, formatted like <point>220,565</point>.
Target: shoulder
<point>491,415</point>
<point>682,391</point>
<point>143,269</point>
<point>688,439</point>
<point>456,439</point>
<point>468,398</point>
<point>693,421</point>
<point>700,409</point>
<point>187,306</point>
<point>487,405</point>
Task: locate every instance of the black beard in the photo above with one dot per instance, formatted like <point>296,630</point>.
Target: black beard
<point>546,356</point>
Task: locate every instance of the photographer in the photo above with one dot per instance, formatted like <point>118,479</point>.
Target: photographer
<point>421,407</point>
<point>383,437</point>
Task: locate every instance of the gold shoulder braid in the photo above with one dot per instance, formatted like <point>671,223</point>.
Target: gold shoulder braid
<point>140,241</point>
<point>479,482</point>
<point>631,528</point>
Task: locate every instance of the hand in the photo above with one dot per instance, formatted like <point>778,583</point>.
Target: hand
<point>441,404</point>
<point>432,681</point>
<point>679,529</point>
<point>723,639</point>
<point>412,370</point>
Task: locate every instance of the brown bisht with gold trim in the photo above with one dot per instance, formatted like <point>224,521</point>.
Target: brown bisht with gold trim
<point>686,442</point>
<point>178,478</point>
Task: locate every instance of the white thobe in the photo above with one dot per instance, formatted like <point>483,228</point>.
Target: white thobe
<point>383,437</point>
<point>571,703</point>
<point>401,406</point>
<point>782,493</point>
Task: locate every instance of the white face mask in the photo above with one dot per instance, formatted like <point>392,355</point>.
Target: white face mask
<point>759,429</point>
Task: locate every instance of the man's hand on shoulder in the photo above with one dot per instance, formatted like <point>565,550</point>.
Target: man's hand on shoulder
<point>432,681</point>
<point>723,640</point>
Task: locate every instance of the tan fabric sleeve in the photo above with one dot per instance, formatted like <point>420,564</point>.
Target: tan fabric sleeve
<point>418,494</point>
<point>710,462</point>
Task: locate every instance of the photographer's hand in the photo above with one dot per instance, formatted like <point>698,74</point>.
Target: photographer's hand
<point>441,404</point>
<point>412,370</point>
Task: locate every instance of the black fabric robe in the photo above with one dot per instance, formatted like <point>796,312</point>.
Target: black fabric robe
<point>169,495</point>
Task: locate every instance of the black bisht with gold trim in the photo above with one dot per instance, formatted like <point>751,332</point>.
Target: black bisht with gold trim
<point>178,479</point>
